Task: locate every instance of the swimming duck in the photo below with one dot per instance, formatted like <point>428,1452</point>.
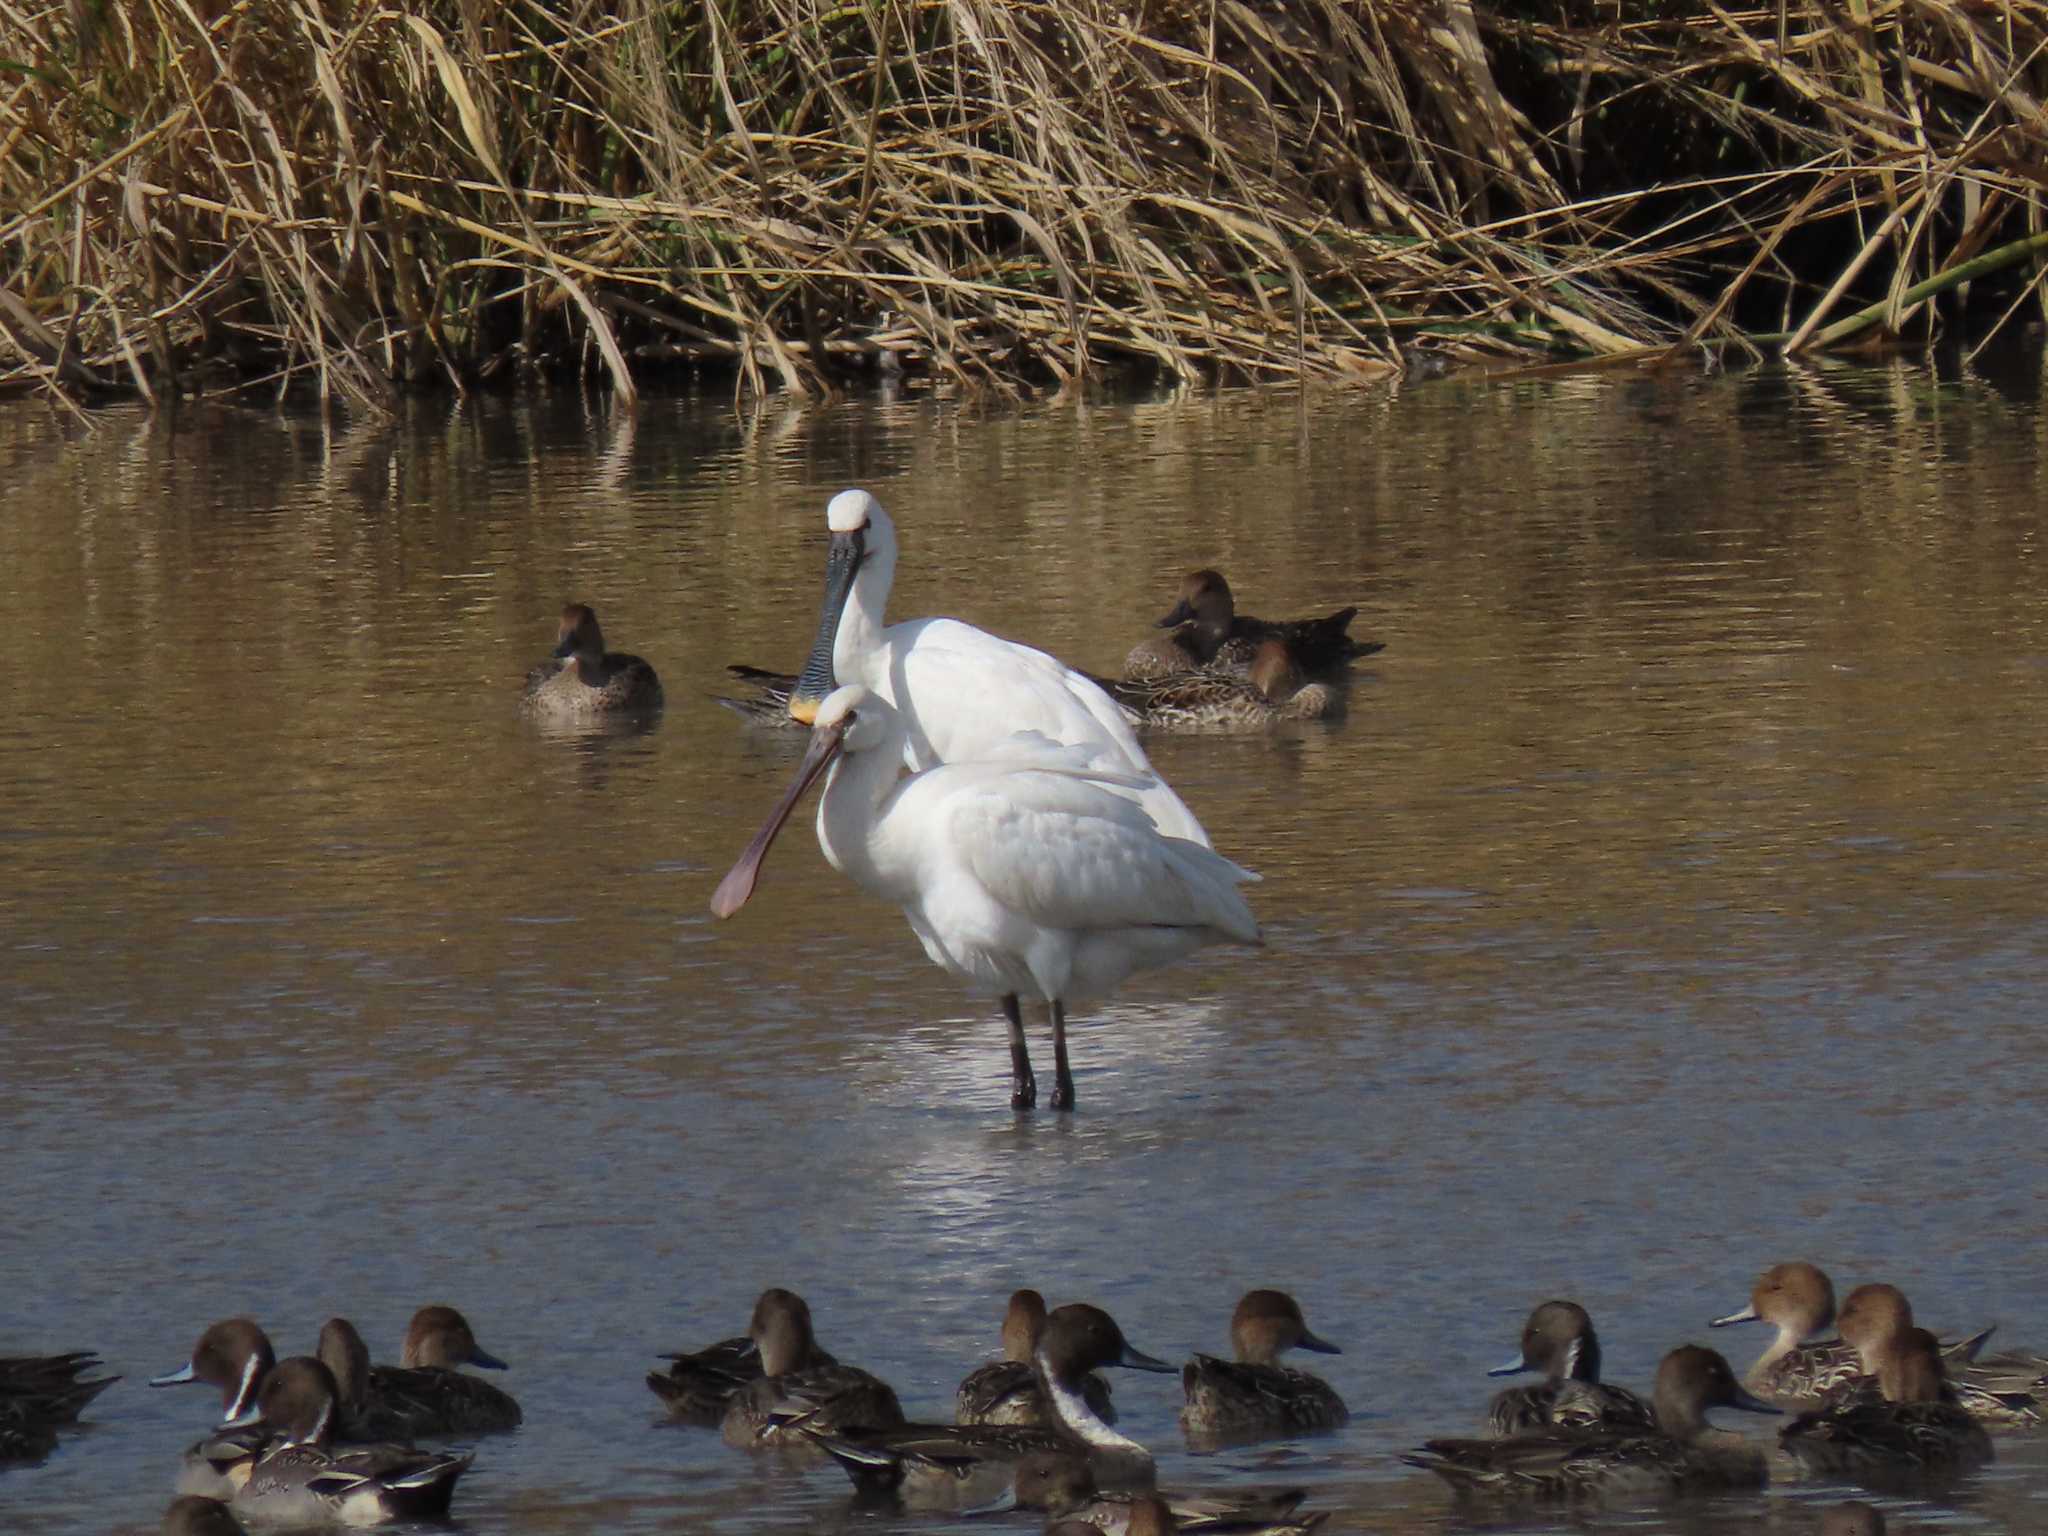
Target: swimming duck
<point>1208,632</point>
<point>40,1394</point>
<point>799,1380</point>
<point>300,1479</point>
<point>954,1466</point>
<point>1559,1341</point>
<point>583,678</point>
<point>1678,1456</point>
<point>233,1355</point>
<point>1911,1424</point>
<point>1271,690</point>
<point>1065,1488</point>
<point>699,1386</point>
<point>1006,1391</point>
<point>191,1514</point>
<point>1253,1395</point>
<point>424,1394</point>
<point>1798,1300</point>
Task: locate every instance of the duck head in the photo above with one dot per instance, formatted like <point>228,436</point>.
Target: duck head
<point>234,1356</point>
<point>578,634</point>
<point>1206,605</point>
<point>780,1330</point>
<point>347,1359</point>
<point>1267,1324</point>
<point>441,1336</point>
<point>1078,1338</point>
<point>1022,1324</point>
<point>1797,1299</point>
<point>1558,1340</point>
<point>1692,1379</point>
<point>297,1400</point>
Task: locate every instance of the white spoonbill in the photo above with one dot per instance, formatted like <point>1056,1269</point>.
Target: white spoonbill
<point>960,690</point>
<point>1026,869</point>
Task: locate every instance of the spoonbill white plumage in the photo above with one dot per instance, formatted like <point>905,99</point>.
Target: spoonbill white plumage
<point>1030,869</point>
<point>959,690</point>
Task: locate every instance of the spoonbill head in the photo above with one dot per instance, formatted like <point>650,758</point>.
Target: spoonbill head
<point>1027,871</point>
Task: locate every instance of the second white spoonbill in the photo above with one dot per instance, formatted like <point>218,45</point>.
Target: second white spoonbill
<point>1029,869</point>
<point>960,690</point>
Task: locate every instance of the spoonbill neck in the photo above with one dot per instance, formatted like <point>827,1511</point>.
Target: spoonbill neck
<point>852,812</point>
<point>858,644</point>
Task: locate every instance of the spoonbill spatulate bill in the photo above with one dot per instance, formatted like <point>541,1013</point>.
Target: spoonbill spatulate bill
<point>1031,869</point>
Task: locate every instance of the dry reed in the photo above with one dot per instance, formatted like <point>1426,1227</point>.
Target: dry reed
<point>205,195</point>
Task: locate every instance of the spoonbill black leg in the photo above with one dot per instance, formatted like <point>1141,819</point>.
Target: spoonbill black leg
<point>1023,1083</point>
<point>1063,1076</point>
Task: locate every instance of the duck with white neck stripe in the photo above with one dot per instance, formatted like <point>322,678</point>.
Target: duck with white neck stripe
<point>959,1466</point>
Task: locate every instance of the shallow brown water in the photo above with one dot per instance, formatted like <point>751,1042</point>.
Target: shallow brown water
<point>1671,901</point>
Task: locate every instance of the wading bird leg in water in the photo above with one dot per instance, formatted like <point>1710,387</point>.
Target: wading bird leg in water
<point>1023,1083</point>
<point>1063,1076</point>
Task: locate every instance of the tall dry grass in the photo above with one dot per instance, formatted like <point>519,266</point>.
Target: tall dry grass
<point>200,195</point>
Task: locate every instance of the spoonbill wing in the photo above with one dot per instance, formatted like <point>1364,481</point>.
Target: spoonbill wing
<point>1064,851</point>
<point>994,688</point>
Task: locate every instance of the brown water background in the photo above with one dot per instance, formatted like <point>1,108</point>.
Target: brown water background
<point>1671,901</point>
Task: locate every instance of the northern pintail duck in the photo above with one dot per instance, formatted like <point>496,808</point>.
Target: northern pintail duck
<point>1006,1391</point>
<point>424,1394</point>
<point>41,1394</point>
<point>1798,1299</point>
<point>232,1356</point>
<point>954,1466</point>
<point>1852,1518</point>
<point>1065,1487</point>
<point>192,1514</point>
<point>301,1479</point>
<point>1911,1424</point>
<point>799,1380</point>
<point>1208,632</point>
<point>1271,691</point>
<point>1682,1454</point>
<point>1558,1340</point>
<point>583,678</point>
<point>1254,1395</point>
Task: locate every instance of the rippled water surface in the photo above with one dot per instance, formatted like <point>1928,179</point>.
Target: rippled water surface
<point>1670,901</point>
